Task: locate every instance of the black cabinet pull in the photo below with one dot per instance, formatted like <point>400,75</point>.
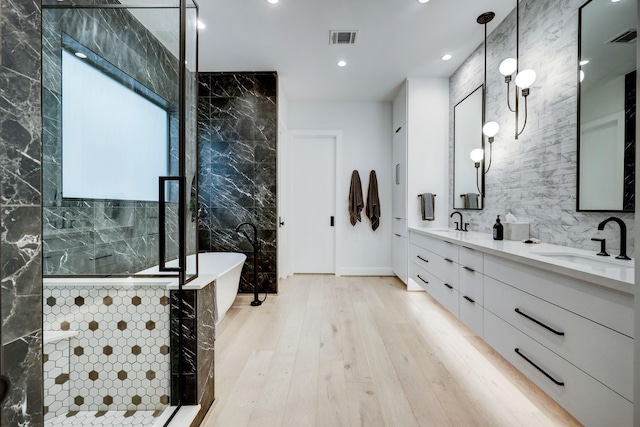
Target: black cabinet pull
<point>448,286</point>
<point>469,299</point>
<point>556,382</point>
<point>446,241</point>
<point>467,247</point>
<point>537,322</point>
<point>468,269</point>
<point>422,279</point>
<point>397,234</point>
<point>448,260</point>
<point>425,260</point>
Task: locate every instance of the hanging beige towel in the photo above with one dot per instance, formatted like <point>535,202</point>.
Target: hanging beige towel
<point>373,201</point>
<point>356,202</point>
<point>427,206</point>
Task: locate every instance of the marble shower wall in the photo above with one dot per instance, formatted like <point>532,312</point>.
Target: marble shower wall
<point>101,237</point>
<point>20,207</point>
<point>535,176</point>
<point>237,119</point>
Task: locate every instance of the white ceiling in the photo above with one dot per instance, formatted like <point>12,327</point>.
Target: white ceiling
<point>397,39</point>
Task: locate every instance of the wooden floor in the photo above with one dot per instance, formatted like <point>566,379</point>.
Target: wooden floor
<point>361,351</point>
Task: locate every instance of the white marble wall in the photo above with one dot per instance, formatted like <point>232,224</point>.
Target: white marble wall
<point>535,176</point>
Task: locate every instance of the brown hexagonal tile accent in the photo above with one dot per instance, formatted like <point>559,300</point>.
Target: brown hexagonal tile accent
<point>122,375</point>
<point>107,300</point>
<point>164,349</point>
<point>93,375</point>
<point>122,325</point>
<point>45,410</point>
<point>64,326</point>
<point>136,300</point>
<point>151,375</point>
<point>79,301</point>
<point>78,400</point>
<point>62,378</point>
<point>136,350</point>
<point>78,351</point>
<point>45,358</point>
<point>151,325</point>
<point>108,350</point>
<point>164,300</point>
<point>136,400</point>
<point>107,400</point>
<point>51,301</point>
<point>164,399</point>
<point>93,325</point>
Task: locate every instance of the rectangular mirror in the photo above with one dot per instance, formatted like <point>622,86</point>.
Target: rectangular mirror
<point>468,180</point>
<point>607,105</point>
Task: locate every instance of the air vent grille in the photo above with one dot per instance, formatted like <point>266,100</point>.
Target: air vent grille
<point>343,37</point>
<point>628,36</point>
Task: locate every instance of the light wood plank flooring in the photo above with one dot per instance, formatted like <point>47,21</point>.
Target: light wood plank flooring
<point>361,351</point>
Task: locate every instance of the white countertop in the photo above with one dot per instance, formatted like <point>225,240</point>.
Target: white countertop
<point>620,278</point>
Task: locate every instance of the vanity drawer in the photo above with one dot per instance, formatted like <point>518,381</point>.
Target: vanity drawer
<point>610,308</point>
<point>422,257</point>
<point>424,279</point>
<point>449,298</point>
<point>582,342</point>
<point>591,402</point>
<point>471,314</point>
<point>470,258</point>
<point>399,227</point>
<point>443,248</point>
<point>470,283</point>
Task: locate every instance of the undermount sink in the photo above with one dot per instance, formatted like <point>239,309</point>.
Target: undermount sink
<point>592,261</point>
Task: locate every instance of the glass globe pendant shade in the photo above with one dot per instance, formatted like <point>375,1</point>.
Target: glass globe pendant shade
<point>525,78</point>
<point>477,155</point>
<point>490,129</point>
<point>508,66</point>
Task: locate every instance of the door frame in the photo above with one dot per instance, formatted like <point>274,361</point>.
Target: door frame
<point>337,136</point>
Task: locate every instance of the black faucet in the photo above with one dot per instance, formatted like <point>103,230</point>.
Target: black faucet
<point>458,224</point>
<point>623,235</point>
<point>256,249</point>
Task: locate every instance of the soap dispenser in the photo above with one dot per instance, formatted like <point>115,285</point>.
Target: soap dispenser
<point>498,230</point>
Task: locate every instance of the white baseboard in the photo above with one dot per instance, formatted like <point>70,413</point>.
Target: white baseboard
<point>367,271</point>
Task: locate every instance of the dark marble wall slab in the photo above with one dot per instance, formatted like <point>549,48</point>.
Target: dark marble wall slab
<point>104,237</point>
<point>629,197</point>
<point>20,218</point>
<point>237,129</point>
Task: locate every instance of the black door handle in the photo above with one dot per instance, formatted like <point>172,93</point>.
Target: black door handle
<point>5,385</point>
<point>333,221</point>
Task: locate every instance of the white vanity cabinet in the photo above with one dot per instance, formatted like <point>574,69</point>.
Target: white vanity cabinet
<point>572,338</point>
<point>569,333</point>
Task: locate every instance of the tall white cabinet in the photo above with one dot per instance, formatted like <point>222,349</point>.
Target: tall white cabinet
<point>420,161</point>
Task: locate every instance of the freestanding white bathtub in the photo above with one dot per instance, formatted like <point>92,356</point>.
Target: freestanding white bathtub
<point>226,267</point>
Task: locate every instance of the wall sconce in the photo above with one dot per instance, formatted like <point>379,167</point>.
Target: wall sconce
<point>524,79</point>
<point>490,129</point>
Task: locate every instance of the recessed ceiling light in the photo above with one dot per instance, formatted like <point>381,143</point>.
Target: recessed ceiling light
<point>272,1</point>
<point>423,1</point>
<point>615,1</point>
<point>342,63</point>
<point>81,55</point>
<point>201,25</point>
<point>446,57</point>
<point>584,62</point>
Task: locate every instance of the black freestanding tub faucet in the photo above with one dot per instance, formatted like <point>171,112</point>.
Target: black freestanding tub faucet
<point>256,248</point>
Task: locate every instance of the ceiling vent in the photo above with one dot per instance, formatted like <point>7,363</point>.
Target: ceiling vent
<point>342,37</point>
<point>628,36</point>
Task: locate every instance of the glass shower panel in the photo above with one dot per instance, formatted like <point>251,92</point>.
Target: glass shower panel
<point>111,94</point>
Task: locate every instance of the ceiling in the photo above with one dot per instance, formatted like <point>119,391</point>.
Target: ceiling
<point>396,39</point>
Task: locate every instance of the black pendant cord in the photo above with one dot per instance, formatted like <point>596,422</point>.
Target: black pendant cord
<point>524,125</point>
<point>490,157</point>
<point>517,61</point>
<point>513,110</point>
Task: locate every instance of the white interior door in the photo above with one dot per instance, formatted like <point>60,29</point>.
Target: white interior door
<point>313,203</point>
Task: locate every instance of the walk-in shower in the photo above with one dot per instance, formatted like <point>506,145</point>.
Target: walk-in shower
<point>119,194</point>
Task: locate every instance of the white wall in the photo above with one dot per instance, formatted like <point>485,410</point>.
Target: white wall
<point>366,145</point>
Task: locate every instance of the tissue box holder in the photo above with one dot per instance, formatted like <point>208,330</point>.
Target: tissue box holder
<point>516,230</point>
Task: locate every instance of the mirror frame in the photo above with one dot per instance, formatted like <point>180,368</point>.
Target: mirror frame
<point>482,145</point>
<point>579,124</point>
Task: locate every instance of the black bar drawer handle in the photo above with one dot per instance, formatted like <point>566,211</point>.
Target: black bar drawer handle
<point>467,247</point>
<point>556,382</point>
<point>536,321</point>
<point>448,260</point>
<point>468,269</point>
<point>422,279</point>
<point>448,286</point>
<point>397,234</point>
<point>469,299</point>
<point>425,260</point>
<point>446,241</point>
